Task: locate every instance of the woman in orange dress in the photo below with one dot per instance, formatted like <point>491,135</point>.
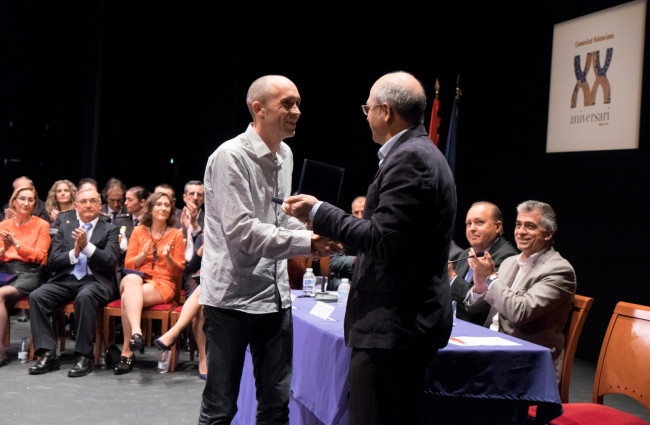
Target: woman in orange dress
<point>157,249</point>
<point>24,241</point>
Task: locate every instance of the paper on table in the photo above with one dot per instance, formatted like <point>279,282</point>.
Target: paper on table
<point>481,340</point>
<point>322,310</point>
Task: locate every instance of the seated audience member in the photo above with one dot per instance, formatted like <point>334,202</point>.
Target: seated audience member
<point>191,219</point>
<point>166,188</point>
<point>71,215</point>
<point>484,232</point>
<point>155,248</point>
<point>82,262</point>
<point>134,201</point>
<point>24,241</point>
<point>532,294</point>
<point>60,198</point>
<point>341,264</point>
<point>454,251</point>
<point>192,312</point>
<point>113,195</point>
<point>87,181</point>
<point>39,211</point>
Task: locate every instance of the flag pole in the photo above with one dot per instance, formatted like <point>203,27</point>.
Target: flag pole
<point>435,119</point>
<point>450,148</point>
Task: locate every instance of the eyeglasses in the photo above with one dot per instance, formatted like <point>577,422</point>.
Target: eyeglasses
<point>88,201</point>
<point>366,108</point>
<point>28,200</point>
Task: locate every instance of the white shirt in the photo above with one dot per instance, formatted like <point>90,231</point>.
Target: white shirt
<point>247,237</point>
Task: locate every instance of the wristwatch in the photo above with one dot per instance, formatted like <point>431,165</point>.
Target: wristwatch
<point>491,278</point>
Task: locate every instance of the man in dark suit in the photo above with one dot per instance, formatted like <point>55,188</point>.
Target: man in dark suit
<point>484,232</point>
<point>82,261</point>
<point>113,195</point>
<point>399,308</point>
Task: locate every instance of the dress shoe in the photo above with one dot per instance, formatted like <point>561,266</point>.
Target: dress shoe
<point>125,365</point>
<point>136,343</point>
<point>82,368</point>
<point>47,363</point>
<point>4,361</point>
<point>203,376</point>
<point>158,343</point>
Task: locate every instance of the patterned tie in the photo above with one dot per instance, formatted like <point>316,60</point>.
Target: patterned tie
<point>79,269</point>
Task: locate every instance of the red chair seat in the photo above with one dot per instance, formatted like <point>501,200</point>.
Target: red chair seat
<point>592,414</point>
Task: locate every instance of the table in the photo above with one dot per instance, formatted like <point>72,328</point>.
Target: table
<point>465,384</point>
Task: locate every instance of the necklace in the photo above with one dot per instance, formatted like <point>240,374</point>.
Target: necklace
<point>155,246</point>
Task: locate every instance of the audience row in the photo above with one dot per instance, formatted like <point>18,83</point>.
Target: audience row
<point>135,247</point>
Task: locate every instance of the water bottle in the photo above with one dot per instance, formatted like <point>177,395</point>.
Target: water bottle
<point>163,361</point>
<point>343,292</point>
<point>22,354</point>
<point>102,355</point>
<point>309,282</point>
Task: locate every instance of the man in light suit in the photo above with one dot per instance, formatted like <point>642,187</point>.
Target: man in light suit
<point>399,308</point>
<point>532,294</point>
<point>484,232</point>
<point>88,239</point>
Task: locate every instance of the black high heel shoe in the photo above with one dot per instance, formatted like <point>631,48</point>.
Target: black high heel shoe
<point>125,365</point>
<point>158,343</point>
<point>136,343</point>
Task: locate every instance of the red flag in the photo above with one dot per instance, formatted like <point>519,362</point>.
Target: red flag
<point>435,120</point>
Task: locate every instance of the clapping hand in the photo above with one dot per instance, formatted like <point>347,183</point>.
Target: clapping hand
<point>81,240</point>
<point>483,267</point>
<point>9,213</point>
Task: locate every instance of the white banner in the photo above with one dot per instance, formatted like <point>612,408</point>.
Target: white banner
<point>596,78</point>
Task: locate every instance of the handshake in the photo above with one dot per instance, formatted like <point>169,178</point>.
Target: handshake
<point>322,246</point>
<point>299,206</point>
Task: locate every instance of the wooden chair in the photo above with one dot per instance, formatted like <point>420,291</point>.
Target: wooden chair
<point>623,368</point>
<point>154,312</point>
<point>58,322</point>
<point>581,307</point>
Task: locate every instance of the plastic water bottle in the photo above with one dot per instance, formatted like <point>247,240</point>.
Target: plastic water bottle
<point>309,282</point>
<point>163,361</point>
<point>22,354</point>
<point>102,355</point>
<point>343,292</point>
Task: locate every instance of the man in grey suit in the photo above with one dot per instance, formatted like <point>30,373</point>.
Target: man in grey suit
<point>84,255</point>
<point>399,308</point>
<point>484,232</point>
<point>532,294</point>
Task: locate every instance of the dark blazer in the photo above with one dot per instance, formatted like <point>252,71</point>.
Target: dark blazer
<point>104,211</point>
<point>102,263</point>
<point>501,250</point>
<point>399,296</point>
<point>125,219</point>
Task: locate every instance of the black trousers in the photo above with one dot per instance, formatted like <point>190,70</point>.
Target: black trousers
<point>386,386</point>
<point>88,295</point>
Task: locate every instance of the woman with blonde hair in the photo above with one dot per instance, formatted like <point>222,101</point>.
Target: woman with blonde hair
<point>60,198</point>
<point>24,242</point>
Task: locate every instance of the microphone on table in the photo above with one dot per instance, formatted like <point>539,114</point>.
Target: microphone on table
<point>477,255</point>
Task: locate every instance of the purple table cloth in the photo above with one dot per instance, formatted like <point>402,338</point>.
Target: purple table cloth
<point>473,379</point>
